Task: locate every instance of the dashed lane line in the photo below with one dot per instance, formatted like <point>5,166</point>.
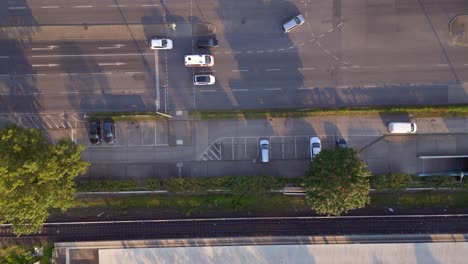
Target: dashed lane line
<point>16,7</point>
<point>46,7</point>
<point>83,6</point>
<point>272,70</point>
<point>272,89</point>
<point>240,90</point>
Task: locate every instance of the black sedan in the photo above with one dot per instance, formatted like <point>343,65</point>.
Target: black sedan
<point>95,132</point>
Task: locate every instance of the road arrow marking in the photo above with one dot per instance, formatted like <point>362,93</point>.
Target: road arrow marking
<point>117,46</point>
<point>112,64</point>
<point>45,65</point>
<point>51,47</point>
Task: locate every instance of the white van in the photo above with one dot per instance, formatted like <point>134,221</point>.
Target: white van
<point>402,127</point>
<point>199,60</point>
<point>293,23</point>
<point>264,150</point>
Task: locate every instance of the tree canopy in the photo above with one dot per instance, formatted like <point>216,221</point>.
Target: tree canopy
<point>337,181</point>
<point>35,176</point>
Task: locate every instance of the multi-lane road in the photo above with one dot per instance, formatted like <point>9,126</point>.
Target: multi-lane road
<point>85,56</point>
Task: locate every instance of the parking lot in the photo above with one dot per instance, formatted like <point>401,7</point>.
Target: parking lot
<point>281,147</point>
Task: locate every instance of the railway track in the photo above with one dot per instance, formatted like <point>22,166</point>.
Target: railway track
<point>235,227</point>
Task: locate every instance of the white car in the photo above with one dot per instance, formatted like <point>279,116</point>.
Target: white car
<point>315,147</point>
<point>204,79</point>
<point>264,150</point>
<point>161,44</point>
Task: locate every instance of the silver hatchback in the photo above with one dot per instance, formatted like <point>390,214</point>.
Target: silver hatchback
<point>293,23</point>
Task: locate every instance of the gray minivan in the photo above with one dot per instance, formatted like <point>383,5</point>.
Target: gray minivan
<point>293,23</point>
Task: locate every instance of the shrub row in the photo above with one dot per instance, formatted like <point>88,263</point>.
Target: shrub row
<point>403,180</point>
<point>235,184</point>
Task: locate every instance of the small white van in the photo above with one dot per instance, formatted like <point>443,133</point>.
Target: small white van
<point>264,150</point>
<point>199,60</point>
<point>401,127</point>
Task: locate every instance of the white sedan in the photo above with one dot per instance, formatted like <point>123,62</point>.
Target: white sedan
<point>161,44</point>
<point>204,79</point>
<point>315,147</point>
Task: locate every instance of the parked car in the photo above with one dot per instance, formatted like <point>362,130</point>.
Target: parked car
<point>203,79</point>
<point>402,127</point>
<point>341,143</point>
<point>315,147</point>
<point>95,132</point>
<point>207,43</point>
<point>161,44</point>
<point>109,132</point>
<point>264,150</point>
<point>293,23</point>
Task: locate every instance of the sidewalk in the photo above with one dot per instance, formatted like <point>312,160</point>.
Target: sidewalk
<point>199,148</point>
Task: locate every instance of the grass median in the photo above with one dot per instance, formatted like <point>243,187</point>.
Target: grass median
<point>416,111</point>
<point>126,116</point>
<point>188,204</point>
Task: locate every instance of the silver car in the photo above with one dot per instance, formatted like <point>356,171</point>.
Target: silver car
<point>293,23</point>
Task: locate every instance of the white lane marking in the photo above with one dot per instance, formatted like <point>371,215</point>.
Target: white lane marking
<point>116,46</point>
<point>259,51</point>
<point>306,88</point>
<point>342,86</point>
<point>344,62</point>
<point>35,74</point>
<point>321,35</point>
<point>343,68</point>
<point>340,24</point>
<point>116,6</point>
<point>206,91</point>
<point>305,69</point>
<point>465,64</point>
<point>249,51</point>
<point>302,44</point>
<point>291,47</point>
<point>240,90</point>
<point>270,50</point>
<point>83,6</point>
<point>313,35</point>
<point>91,55</point>
<point>240,70</point>
<point>50,47</point>
<point>319,44</point>
<point>281,49</point>
<point>16,7</point>
<point>439,65</point>
<point>69,73</point>
<point>217,52</point>
<point>326,51</point>
<point>335,57</point>
<point>370,67</point>
<point>158,94</point>
<point>4,57</point>
<point>227,52</point>
<point>272,70</point>
<point>330,30</point>
<point>272,89</point>
<point>45,65</point>
<point>112,63</point>
<point>132,72</point>
<point>102,73</point>
<point>50,6</point>
<point>370,86</point>
<point>149,5</point>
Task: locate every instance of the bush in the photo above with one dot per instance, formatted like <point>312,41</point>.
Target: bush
<point>105,186</point>
<point>439,181</point>
<point>235,184</point>
<point>153,184</point>
<point>391,181</point>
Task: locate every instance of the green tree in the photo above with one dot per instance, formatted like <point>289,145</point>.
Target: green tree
<point>337,181</point>
<point>35,176</point>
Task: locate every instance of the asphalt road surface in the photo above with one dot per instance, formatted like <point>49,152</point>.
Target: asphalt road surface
<point>347,53</point>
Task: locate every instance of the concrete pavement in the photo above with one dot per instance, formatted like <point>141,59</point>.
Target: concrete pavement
<point>197,148</point>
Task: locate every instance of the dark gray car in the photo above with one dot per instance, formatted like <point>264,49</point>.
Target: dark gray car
<point>109,132</point>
